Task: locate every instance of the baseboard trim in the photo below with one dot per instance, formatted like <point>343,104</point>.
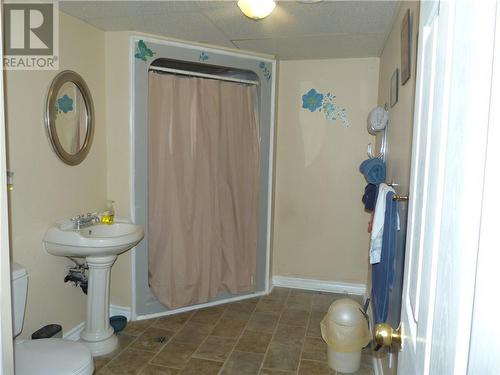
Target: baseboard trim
<point>120,310</point>
<point>283,281</point>
<point>319,285</point>
<point>74,333</point>
<point>201,306</point>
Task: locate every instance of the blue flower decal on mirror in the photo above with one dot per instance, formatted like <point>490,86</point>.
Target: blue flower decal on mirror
<point>312,100</point>
<point>316,101</point>
<point>64,104</point>
<point>143,52</point>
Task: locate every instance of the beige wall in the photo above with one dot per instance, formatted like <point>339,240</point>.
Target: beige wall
<point>320,223</point>
<point>46,189</point>
<point>118,138</point>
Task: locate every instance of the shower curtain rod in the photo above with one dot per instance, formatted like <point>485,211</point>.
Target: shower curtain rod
<point>203,75</point>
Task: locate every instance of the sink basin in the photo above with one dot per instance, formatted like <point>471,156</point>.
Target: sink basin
<point>99,244</point>
<point>96,240</point>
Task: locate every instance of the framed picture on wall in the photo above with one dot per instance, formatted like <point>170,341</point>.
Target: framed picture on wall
<point>405,48</point>
<point>394,87</point>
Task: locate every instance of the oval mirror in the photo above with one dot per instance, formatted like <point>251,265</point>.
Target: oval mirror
<point>69,117</point>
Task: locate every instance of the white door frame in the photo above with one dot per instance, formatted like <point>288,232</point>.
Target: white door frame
<point>484,357</point>
<point>7,355</point>
<point>450,221</point>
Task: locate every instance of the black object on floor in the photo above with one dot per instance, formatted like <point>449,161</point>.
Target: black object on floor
<point>50,330</point>
<point>118,322</point>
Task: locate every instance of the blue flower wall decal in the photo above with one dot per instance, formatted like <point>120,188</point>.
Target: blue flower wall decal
<point>329,111</point>
<point>265,70</point>
<point>312,100</point>
<point>203,56</point>
<point>143,52</point>
<point>64,104</point>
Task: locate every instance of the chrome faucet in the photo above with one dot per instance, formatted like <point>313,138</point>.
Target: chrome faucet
<point>84,221</point>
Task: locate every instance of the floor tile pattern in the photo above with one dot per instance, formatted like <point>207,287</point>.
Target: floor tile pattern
<point>272,335</point>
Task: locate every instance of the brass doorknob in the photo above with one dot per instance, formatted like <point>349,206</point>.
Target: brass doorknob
<point>385,335</point>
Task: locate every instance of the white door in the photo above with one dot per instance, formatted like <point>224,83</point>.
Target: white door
<point>6,359</point>
<point>421,226</point>
<point>455,56</point>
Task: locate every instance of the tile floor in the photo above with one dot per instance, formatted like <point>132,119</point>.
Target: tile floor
<point>275,334</point>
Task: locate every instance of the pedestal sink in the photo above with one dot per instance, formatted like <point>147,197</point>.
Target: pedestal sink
<point>99,244</point>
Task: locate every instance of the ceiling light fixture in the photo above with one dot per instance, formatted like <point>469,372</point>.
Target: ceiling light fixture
<point>256,9</point>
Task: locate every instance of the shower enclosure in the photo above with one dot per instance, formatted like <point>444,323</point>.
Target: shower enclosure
<point>251,79</point>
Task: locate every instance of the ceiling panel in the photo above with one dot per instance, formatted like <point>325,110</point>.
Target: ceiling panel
<point>92,9</point>
<point>328,29</point>
<point>189,26</point>
<point>111,8</point>
<point>214,4</point>
<point>321,47</point>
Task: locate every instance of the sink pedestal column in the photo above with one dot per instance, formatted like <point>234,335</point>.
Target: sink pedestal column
<point>98,335</point>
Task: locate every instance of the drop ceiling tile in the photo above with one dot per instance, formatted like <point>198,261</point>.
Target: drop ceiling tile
<point>113,24</point>
<point>321,47</point>
<point>166,7</point>
<point>362,17</point>
<point>86,10</point>
<point>120,9</point>
<point>208,4</point>
<point>188,26</point>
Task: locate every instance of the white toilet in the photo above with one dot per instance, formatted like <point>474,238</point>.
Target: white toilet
<point>44,356</point>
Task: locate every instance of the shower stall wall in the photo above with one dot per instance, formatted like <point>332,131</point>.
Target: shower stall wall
<point>182,59</point>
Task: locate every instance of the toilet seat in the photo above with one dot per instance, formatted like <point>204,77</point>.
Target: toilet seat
<point>52,357</point>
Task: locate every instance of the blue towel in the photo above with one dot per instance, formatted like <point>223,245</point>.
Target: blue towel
<point>373,170</point>
<point>370,197</point>
<point>383,272</point>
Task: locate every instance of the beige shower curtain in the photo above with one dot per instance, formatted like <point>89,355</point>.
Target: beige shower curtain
<point>203,186</point>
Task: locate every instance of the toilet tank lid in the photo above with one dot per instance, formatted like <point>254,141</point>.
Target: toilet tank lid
<point>17,271</point>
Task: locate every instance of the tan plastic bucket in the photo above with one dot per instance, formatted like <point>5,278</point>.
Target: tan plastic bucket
<point>345,330</point>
